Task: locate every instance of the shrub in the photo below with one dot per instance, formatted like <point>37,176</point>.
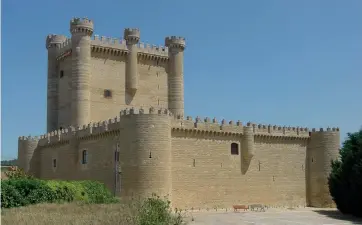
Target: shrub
<point>96,192</point>
<point>10,197</point>
<point>157,211</point>
<point>22,192</point>
<point>345,183</point>
<point>18,174</point>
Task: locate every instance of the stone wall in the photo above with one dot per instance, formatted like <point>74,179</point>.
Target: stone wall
<point>206,174</point>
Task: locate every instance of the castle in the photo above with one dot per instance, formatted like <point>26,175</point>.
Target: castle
<point>145,144</point>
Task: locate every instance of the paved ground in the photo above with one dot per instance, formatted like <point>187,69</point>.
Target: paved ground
<point>308,216</point>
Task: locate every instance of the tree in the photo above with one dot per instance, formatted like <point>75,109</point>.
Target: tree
<point>345,180</point>
<point>12,162</point>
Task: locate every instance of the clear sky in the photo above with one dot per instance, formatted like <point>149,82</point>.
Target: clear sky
<point>283,62</point>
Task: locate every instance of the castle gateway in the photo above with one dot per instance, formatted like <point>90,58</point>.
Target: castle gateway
<point>144,144</point>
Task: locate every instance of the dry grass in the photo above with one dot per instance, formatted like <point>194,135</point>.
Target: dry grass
<point>70,214</point>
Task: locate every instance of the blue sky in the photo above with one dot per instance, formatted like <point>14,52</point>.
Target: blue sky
<point>281,62</point>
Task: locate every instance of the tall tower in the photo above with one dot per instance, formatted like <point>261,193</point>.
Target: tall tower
<point>132,37</point>
<point>81,30</point>
<point>53,44</point>
<point>176,47</point>
<point>322,148</point>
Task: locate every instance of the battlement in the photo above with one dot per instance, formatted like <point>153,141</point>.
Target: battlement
<point>107,43</point>
<point>83,25</point>
<point>65,49</point>
<point>132,35</point>
<point>236,127</point>
<point>53,40</point>
<point>175,42</point>
<point>90,129</point>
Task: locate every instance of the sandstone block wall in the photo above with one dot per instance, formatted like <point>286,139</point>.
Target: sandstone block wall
<point>191,161</point>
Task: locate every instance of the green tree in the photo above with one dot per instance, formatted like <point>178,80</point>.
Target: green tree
<point>12,162</point>
<point>345,180</point>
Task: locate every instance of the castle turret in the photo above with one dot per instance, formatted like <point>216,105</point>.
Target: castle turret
<point>248,142</point>
<point>81,30</point>
<point>26,155</point>
<point>145,156</point>
<point>53,44</point>
<point>176,47</point>
<point>132,37</point>
<point>322,148</point>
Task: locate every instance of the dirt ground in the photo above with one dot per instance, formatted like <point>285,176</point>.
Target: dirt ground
<point>307,216</point>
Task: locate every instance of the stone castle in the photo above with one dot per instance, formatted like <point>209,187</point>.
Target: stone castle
<point>144,144</point>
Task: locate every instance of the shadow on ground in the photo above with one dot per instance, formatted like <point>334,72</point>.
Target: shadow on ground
<point>335,214</point>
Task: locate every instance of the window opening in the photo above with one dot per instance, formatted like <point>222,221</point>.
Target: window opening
<point>84,157</point>
<point>107,93</point>
<point>234,149</point>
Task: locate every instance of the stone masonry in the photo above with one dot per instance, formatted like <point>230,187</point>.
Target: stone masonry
<point>144,144</point>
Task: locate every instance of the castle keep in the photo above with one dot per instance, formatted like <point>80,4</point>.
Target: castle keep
<point>144,143</point>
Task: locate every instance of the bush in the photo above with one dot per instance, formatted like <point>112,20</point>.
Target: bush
<point>18,174</point>
<point>154,211</point>
<point>21,192</point>
<point>345,180</point>
<point>96,192</point>
<point>10,197</point>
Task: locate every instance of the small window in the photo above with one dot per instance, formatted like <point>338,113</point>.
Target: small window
<point>60,128</point>
<point>84,157</point>
<point>107,93</point>
<point>234,149</point>
<point>61,75</point>
<point>116,156</point>
<point>54,163</point>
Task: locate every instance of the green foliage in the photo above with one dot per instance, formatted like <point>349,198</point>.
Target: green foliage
<point>10,197</point>
<point>12,162</point>
<point>154,211</point>
<point>345,180</point>
<point>24,191</point>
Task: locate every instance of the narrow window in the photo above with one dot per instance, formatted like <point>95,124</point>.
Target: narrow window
<point>54,163</point>
<point>150,156</point>
<point>234,149</point>
<point>116,156</point>
<point>194,163</point>
<point>61,75</point>
<point>84,157</point>
<point>60,128</point>
<point>107,93</point>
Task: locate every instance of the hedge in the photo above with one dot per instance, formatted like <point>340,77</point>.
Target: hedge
<point>24,191</point>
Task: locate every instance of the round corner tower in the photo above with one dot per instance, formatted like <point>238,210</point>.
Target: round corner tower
<point>81,30</point>
<point>26,158</point>
<point>323,147</point>
<point>176,47</point>
<point>145,154</point>
<point>132,37</point>
<point>53,45</point>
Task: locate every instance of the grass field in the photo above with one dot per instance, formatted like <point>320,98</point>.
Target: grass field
<point>61,214</point>
<point>69,214</point>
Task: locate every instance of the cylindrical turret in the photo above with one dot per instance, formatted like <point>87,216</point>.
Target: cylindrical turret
<point>248,142</point>
<point>176,47</point>
<point>81,30</point>
<point>132,37</point>
<point>53,44</point>
<point>26,159</point>
<point>145,156</point>
<point>322,148</point>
